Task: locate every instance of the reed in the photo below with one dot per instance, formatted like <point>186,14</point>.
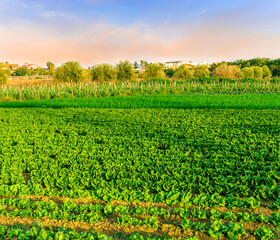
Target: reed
<point>136,88</point>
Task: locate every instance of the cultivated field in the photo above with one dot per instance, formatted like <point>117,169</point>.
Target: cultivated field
<point>80,173</point>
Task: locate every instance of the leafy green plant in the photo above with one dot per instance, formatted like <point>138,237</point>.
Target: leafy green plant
<point>138,210</point>
<point>108,209</point>
<point>214,214</point>
<point>229,216</point>
<point>199,226</point>
<point>128,220</point>
<point>275,205</point>
<point>235,231</point>
<point>216,229</point>
<point>151,222</point>
<point>264,233</point>
<point>186,225</point>
<point>263,218</point>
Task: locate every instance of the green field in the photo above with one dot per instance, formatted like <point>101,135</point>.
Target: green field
<point>147,173</point>
<point>246,101</point>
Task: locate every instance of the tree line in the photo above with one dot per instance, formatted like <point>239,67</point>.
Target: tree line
<point>126,71</point>
<point>258,68</point>
<point>272,64</point>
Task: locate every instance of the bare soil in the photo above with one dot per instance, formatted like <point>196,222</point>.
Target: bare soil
<point>29,81</point>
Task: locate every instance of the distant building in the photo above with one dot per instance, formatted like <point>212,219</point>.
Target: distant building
<point>10,66</point>
<point>173,64</point>
<point>29,66</point>
<point>191,64</point>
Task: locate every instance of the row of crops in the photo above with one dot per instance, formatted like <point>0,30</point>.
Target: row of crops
<point>49,218</point>
<point>220,101</point>
<point>139,174</point>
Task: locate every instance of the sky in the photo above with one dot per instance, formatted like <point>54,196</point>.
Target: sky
<point>107,31</point>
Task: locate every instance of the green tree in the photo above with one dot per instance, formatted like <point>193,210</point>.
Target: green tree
<point>143,64</point>
<point>31,71</point>
<point>154,71</point>
<point>272,64</point>
<point>41,71</point>
<point>136,65</point>
<point>201,71</point>
<point>104,72</point>
<point>184,72</point>
<point>4,75</point>
<point>266,72</point>
<point>51,67</point>
<point>258,72</point>
<point>21,72</point>
<point>248,72</point>
<point>227,71</point>
<point>69,72</point>
<point>169,72</point>
<point>59,73</point>
<point>126,71</point>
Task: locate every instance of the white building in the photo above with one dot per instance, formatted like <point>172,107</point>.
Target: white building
<point>174,64</point>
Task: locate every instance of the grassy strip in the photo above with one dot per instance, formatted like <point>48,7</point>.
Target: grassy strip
<point>248,101</point>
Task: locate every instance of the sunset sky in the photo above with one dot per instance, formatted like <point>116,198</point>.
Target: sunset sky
<point>98,31</point>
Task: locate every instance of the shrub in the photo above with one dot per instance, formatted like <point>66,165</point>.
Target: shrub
<point>4,75</point>
<point>248,72</point>
<point>154,70</point>
<point>184,72</point>
<point>126,71</point>
<point>201,71</point>
<point>104,72</point>
<point>51,67</point>
<point>169,72</point>
<point>227,71</point>
<point>69,72</point>
<point>266,72</point>
<point>21,72</point>
<point>258,72</point>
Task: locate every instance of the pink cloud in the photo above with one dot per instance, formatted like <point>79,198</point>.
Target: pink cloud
<point>103,42</point>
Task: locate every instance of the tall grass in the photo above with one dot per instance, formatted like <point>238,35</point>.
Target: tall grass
<point>244,101</point>
<point>152,87</point>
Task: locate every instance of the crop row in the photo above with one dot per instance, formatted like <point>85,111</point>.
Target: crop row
<point>93,213</point>
<point>42,233</point>
<point>233,230</point>
<point>172,198</point>
<point>215,229</point>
